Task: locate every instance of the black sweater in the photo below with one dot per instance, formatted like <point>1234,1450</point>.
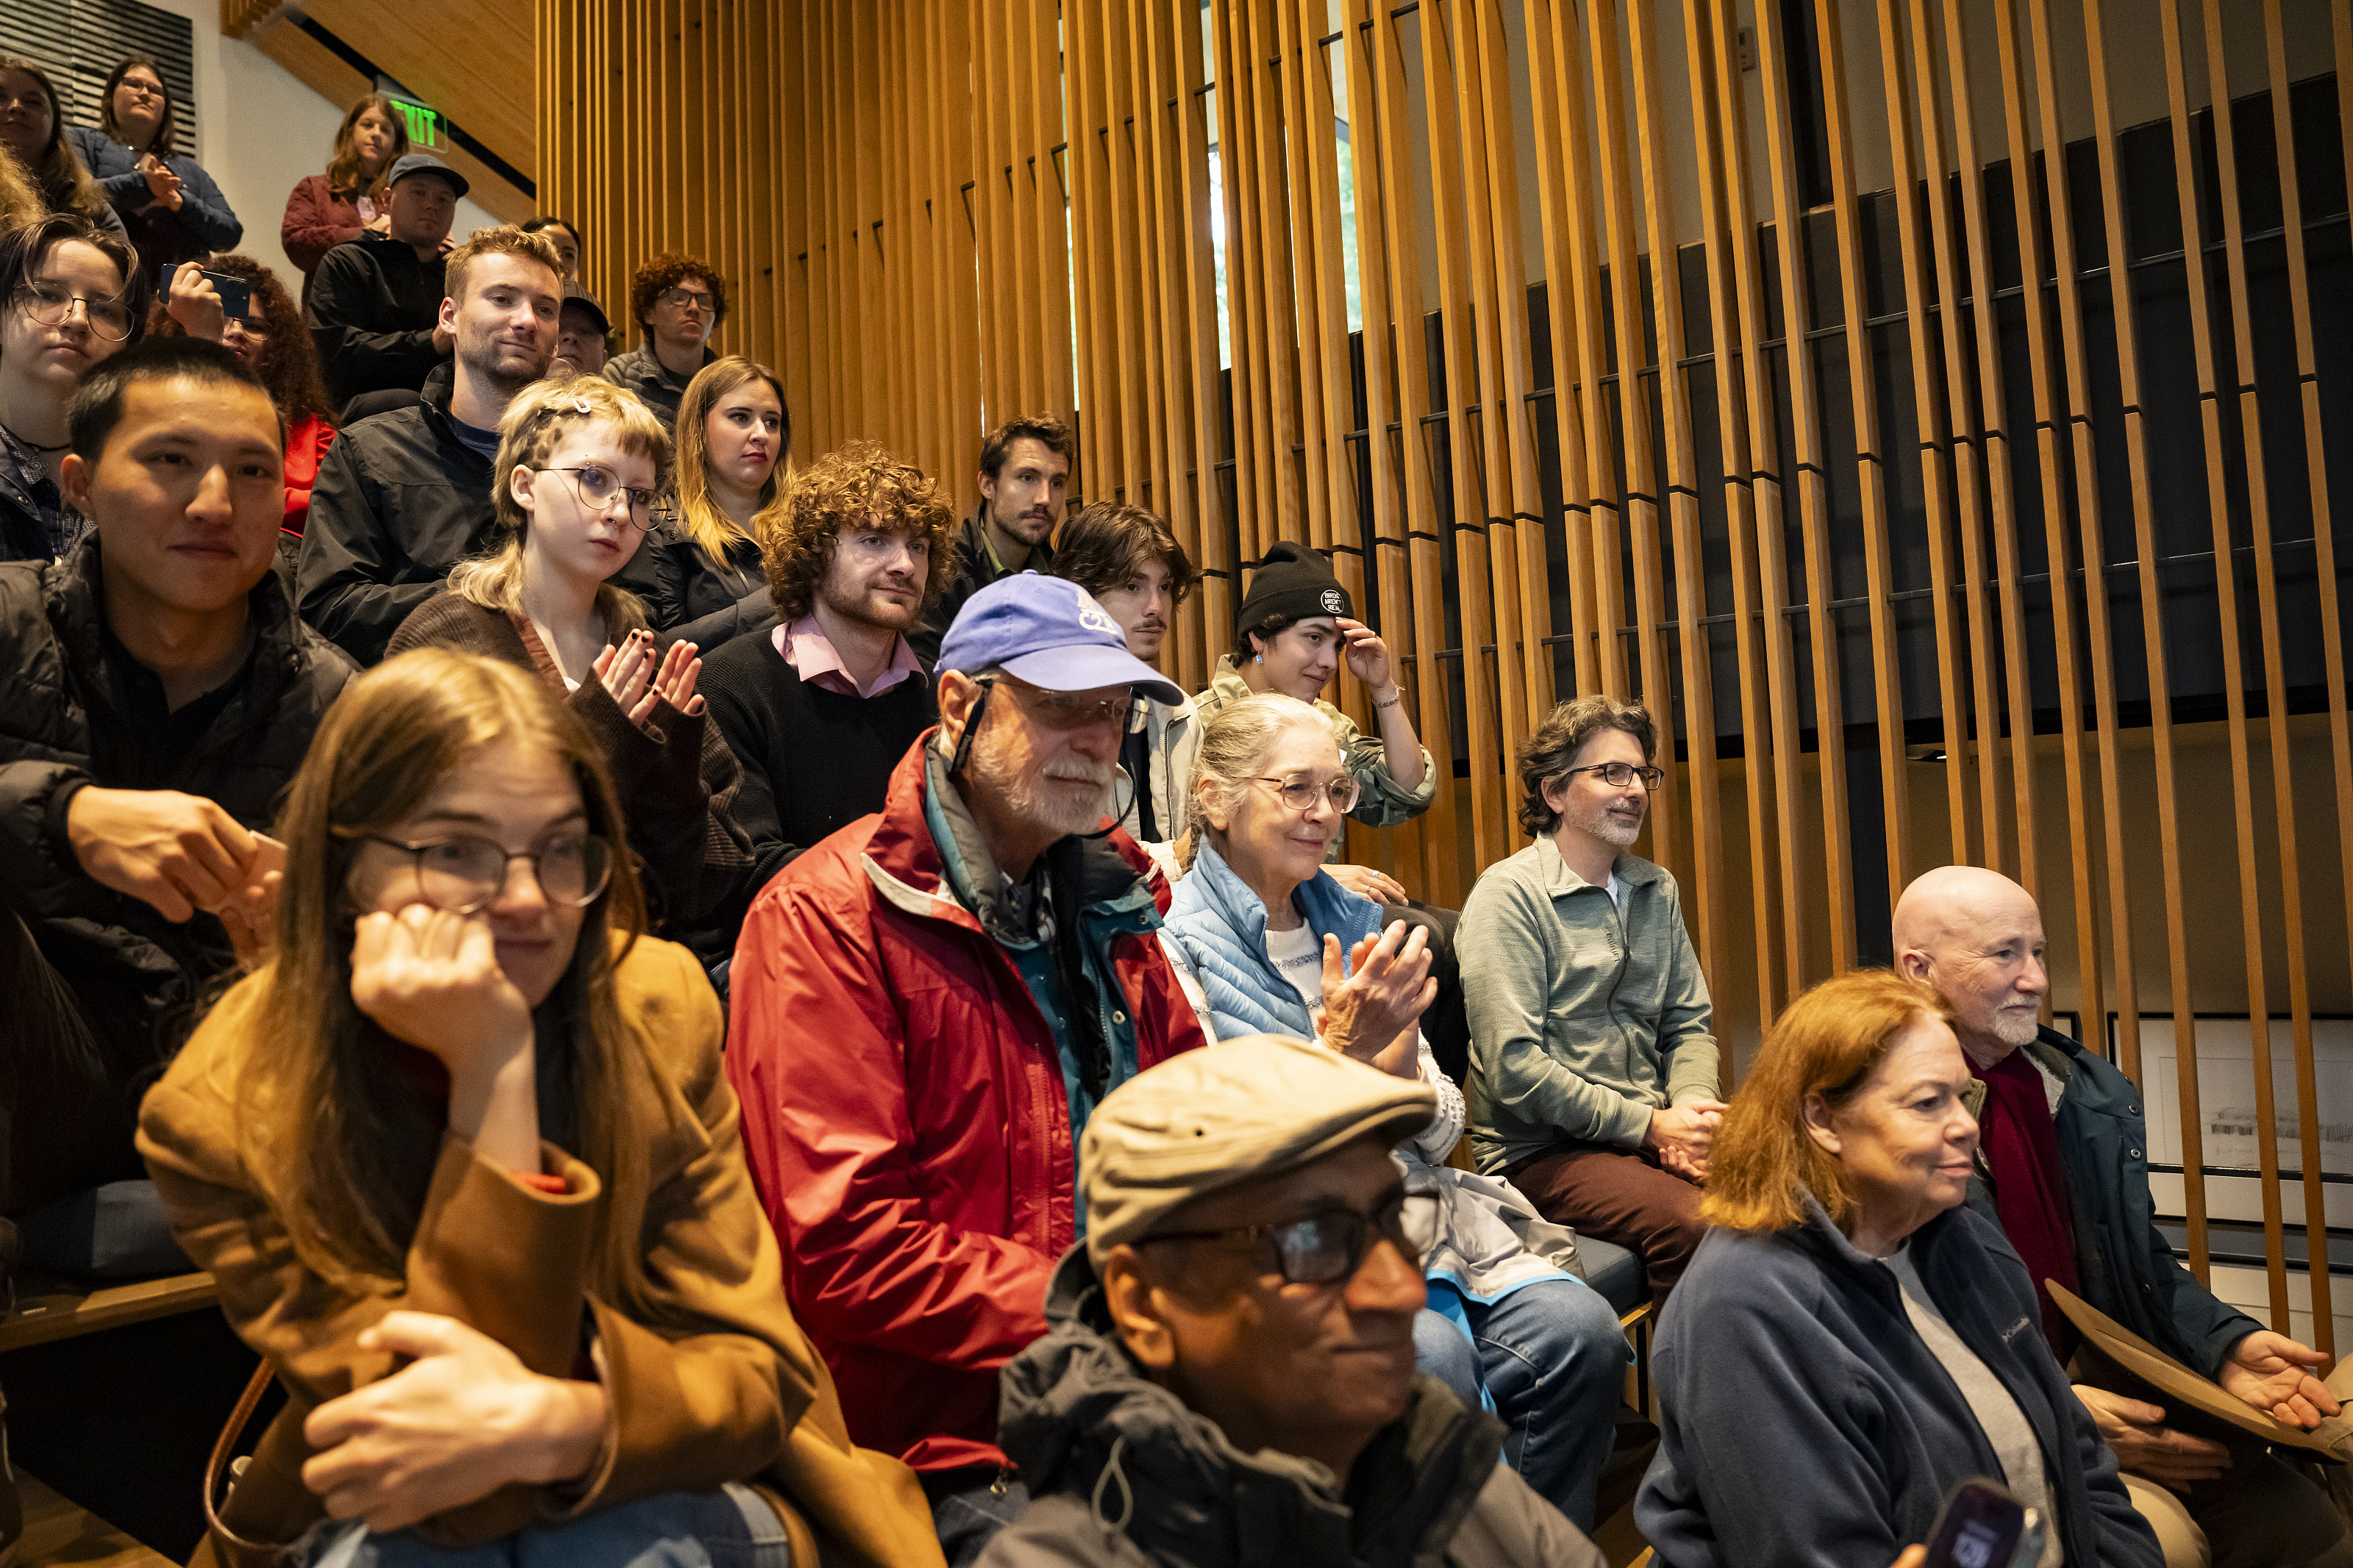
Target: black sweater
<point>813,761</point>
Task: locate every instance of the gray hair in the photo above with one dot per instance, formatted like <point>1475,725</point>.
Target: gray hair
<point>1235,746</point>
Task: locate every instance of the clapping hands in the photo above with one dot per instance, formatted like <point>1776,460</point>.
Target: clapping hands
<point>639,681</point>
<point>1374,1012</point>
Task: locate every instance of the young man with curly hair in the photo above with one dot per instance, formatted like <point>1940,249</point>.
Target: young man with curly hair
<point>677,302</point>
<point>821,710</point>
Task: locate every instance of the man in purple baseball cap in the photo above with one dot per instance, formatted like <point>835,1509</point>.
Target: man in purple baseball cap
<point>926,1008</point>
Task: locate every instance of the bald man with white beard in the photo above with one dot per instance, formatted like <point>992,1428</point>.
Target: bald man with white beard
<point>2063,1165</point>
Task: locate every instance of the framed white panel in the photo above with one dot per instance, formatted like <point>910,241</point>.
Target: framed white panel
<point>2226,1102</point>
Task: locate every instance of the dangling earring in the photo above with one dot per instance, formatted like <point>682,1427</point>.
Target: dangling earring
<point>1258,659</point>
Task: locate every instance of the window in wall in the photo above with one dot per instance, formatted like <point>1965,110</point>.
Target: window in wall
<point>1216,185</point>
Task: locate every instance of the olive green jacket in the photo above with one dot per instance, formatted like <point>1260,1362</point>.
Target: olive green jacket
<point>1385,803</point>
<point>1584,1018</point>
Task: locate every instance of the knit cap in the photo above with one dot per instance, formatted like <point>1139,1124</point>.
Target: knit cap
<point>1294,582</point>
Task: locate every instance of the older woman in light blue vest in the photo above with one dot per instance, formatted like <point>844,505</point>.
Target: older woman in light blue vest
<point>1265,941</point>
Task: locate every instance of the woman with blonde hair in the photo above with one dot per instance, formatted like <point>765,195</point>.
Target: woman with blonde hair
<point>700,573</point>
<point>20,199</point>
<point>578,468</point>
<point>324,210</point>
<point>1850,1341</point>
<point>461,1154</point>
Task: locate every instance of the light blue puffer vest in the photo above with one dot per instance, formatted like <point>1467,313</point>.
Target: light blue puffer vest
<point>1222,926</point>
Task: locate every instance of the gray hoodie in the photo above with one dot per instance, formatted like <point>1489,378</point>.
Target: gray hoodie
<point>1123,1473</point>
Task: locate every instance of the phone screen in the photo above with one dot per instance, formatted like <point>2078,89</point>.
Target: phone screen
<point>237,295</point>
<point>1982,1526</point>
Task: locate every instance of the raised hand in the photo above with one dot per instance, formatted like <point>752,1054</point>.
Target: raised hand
<point>673,683</point>
<point>464,1418</point>
<point>179,853</point>
<point>432,978</point>
<point>1374,1012</point>
<point>1367,655</point>
<point>195,304</point>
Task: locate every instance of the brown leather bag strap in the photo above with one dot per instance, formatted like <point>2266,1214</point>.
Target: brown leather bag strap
<point>216,1468</point>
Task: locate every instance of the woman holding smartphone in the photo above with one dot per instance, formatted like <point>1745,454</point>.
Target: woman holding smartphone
<point>579,466</point>
<point>463,1159</point>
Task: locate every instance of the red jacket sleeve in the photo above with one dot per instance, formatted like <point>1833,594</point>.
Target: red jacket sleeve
<point>316,222</point>
<point>818,1057</point>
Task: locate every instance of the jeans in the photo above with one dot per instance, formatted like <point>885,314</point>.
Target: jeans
<point>730,1527</point>
<point>969,1506</point>
<point>1552,1358</point>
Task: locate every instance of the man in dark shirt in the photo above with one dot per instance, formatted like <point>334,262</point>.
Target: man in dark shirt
<point>820,709</point>
<point>404,496</point>
<point>2063,1164</point>
<point>1025,473</point>
<point>165,695</point>
<point>375,303</point>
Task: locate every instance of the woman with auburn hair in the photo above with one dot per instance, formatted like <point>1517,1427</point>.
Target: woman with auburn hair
<point>699,572</point>
<point>1850,1341</point>
<point>462,1156</point>
<point>324,210</point>
<point>275,344</point>
<point>33,131</point>
<point>578,468</point>
<point>20,199</point>
<point>172,210</point>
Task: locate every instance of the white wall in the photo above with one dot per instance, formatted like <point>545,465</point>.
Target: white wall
<point>259,131</point>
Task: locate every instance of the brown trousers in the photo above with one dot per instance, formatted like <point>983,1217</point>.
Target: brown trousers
<point>1621,1195</point>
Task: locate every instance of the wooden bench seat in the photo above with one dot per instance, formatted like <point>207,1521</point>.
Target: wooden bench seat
<point>58,1531</point>
<point>57,1309</point>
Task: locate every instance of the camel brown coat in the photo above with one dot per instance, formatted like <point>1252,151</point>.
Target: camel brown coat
<point>711,1381</point>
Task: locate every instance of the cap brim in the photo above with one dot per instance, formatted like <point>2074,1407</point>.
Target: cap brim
<point>448,176</point>
<point>1089,666</point>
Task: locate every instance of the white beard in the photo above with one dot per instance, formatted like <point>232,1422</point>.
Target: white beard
<point>2017,1028</point>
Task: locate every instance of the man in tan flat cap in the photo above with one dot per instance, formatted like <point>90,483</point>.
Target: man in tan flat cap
<point>1230,1349</point>
<point>2063,1165</point>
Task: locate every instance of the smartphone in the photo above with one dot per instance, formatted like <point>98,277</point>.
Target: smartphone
<point>1983,1525</point>
<point>236,293</point>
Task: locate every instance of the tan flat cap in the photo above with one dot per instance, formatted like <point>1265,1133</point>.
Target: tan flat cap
<point>1209,1119</point>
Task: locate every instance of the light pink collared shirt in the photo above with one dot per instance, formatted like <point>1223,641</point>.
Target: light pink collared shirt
<point>805,647</point>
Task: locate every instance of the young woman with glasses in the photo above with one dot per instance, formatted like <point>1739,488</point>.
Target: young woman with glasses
<point>578,468</point>
<point>463,1157</point>
<point>1265,941</point>
<point>70,296</point>
<point>269,336</point>
<point>172,209</point>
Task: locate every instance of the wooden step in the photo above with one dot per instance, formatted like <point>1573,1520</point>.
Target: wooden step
<point>59,1532</point>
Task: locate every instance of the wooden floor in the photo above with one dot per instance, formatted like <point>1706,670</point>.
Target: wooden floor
<point>60,1532</point>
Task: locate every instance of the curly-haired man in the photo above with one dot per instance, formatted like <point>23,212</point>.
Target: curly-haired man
<point>677,302</point>
<point>820,711</point>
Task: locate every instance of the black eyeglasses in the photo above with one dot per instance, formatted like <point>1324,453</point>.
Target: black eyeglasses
<point>1618,776</point>
<point>681,298</point>
<point>1323,1248</point>
<point>596,489</point>
<point>465,875</point>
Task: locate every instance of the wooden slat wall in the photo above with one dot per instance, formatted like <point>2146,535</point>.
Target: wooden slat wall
<point>1801,463</point>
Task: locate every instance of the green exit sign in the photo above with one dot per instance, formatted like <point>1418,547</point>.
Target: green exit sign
<point>424,124</point>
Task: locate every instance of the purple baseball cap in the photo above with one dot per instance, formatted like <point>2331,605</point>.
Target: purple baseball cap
<point>1050,632</point>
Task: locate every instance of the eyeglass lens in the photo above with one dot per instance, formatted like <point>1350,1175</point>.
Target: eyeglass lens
<point>1300,795</point>
<point>1327,1246</point>
<point>463,875</point>
<point>49,304</point>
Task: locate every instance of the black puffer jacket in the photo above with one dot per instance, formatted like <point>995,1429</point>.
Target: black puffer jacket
<point>62,727</point>
<point>399,500</point>
<point>694,595</point>
<point>372,307</point>
<point>1122,1473</point>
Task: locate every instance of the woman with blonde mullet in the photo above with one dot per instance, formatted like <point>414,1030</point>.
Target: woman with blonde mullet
<point>700,573</point>
<point>1851,1341</point>
<point>578,468</point>
<point>464,1162</point>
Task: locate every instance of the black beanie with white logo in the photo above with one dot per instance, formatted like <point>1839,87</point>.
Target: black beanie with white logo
<point>1293,583</point>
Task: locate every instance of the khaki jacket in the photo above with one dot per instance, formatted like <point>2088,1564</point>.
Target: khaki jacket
<point>715,1384</point>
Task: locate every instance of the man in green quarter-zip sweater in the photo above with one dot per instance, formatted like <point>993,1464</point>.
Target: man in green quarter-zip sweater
<point>1593,1061</point>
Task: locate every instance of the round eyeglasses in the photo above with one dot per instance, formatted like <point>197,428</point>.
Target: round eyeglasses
<point>1301,794</point>
<point>49,304</point>
<point>1321,1248</point>
<point>465,875</point>
<point>599,488</point>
